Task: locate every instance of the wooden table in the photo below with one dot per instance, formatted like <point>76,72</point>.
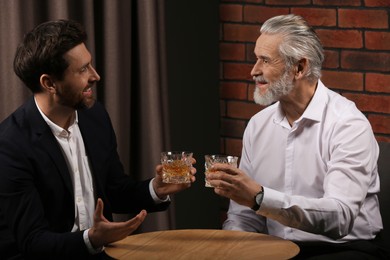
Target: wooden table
<point>202,244</point>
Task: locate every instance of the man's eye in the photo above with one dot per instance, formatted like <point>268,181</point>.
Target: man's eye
<point>263,60</point>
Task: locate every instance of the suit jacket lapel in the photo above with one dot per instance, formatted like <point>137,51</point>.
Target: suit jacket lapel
<point>91,139</point>
<point>88,134</point>
<point>43,138</point>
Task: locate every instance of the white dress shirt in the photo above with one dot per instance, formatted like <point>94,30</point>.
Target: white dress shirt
<point>72,147</point>
<point>319,175</point>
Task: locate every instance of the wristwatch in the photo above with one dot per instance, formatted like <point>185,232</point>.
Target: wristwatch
<point>258,199</point>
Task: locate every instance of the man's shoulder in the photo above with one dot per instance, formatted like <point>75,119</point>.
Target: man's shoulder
<point>13,122</point>
<point>341,106</point>
<point>14,133</point>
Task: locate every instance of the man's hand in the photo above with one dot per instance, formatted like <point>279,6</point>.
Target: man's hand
<point>232,183</point>
<point>104,232</point>
<point>164,189</point>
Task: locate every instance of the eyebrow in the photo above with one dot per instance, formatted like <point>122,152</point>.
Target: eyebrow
<point>263,57</point>
<point>260,56</point>
<point>85,65</point>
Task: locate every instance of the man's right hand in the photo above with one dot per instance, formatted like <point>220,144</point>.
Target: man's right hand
<point>104,232</point>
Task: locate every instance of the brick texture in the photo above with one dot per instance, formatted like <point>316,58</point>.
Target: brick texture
<point>373,19</point>
<point>380,123</point>
<point>287,2</point>
<point>237,71</point>
<point>232,128</point>
<point>331,59</point>
<point>343,80</point>
<point>242,110</point>
<point>377,40</point>
<point>366,61</point>
<point>327,3</point>
<point>352,39</point>
<point>259,14</point>
<point>230,12</point>
<point>232,51</point>
<point>370,103</point>
<point>377,3</point>
<point>240,32</point>
<point>356,39</point>
<point>317,16</point>
<point>233,90</point>
<point>377,82</point>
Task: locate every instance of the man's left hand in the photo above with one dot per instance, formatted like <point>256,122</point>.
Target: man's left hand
<point>164,189</point>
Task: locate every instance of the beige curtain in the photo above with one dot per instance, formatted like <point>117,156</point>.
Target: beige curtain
<point>126,39</point>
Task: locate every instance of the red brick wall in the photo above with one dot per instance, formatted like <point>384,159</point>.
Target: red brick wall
<point>356,38</point>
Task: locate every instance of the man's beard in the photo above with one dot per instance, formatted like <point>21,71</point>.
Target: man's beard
<point>74,100</point>
<point>85,103</point>
<point>274,91</point>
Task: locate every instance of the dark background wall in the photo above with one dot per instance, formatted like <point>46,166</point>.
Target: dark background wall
<point>192,29</point>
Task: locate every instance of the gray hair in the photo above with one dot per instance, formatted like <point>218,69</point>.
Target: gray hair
<point>299,41</point>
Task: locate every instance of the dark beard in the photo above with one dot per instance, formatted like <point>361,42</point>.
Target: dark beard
<point>84,104</point>
<point>67,100</point>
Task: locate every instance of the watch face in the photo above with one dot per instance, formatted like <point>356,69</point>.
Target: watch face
<point>259,198</point>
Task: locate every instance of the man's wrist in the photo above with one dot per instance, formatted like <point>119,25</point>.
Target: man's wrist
<point>258,199</point>
<point>91,249</point>
<point>154,195</point>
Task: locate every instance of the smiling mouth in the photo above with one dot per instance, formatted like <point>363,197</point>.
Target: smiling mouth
<point>87,92</point>
<point>261,84</point>
<point>259,80</point>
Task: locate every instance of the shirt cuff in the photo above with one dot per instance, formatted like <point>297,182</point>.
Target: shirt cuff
<point>90,248</point>
<point>273,202</point>
<point>154,195</point>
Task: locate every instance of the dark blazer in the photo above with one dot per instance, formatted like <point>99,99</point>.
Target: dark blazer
<point>36,194</point>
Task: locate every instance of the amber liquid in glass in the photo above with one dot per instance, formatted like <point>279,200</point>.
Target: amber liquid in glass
<point>176,171</point>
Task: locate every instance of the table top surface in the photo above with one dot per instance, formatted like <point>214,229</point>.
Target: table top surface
<point>202,244</point>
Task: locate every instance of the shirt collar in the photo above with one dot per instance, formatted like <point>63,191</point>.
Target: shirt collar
<point>279,115</point>
<point>57,130</point>
<point>317,104</point>
<point>313,111</point>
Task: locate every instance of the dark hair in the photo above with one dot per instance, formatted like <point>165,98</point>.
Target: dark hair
<point>42,50</point>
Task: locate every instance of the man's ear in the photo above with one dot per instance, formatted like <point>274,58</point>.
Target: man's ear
<point>47,83</point>
<point>301,68</point>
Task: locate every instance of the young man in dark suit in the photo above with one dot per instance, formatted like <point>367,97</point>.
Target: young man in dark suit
<point>58,158</point>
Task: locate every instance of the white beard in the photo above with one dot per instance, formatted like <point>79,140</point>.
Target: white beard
<point>275,90</point>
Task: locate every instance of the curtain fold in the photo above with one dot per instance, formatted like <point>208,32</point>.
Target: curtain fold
<point>126,40</point>
<point>153,107</point>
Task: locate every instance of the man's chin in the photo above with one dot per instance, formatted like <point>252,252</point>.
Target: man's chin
<point>263,102</point>
<point>85,104</point>
<point>262,99</point>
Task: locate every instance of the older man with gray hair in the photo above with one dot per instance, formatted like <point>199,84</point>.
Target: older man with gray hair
<point>308,170</point>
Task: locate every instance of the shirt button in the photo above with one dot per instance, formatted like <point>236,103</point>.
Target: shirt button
<point>78,199</point>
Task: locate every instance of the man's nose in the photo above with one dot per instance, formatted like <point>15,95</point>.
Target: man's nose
<point>95,75</point>
<point>256,70</point>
